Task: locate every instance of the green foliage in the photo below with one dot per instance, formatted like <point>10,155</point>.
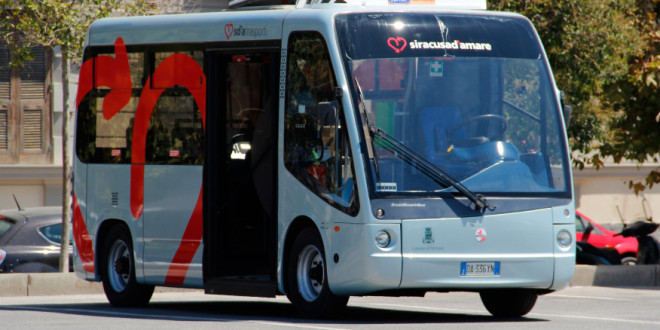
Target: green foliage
<point>606,56</point>
<point>52,23</point>
<point>589,44</point>
<point>635,124</point>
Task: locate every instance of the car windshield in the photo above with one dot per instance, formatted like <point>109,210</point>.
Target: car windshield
<point>53,233</point>
<point>4,226</point>
<point>471,95</point>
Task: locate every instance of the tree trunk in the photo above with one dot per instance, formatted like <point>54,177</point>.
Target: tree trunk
<point>67,166</point>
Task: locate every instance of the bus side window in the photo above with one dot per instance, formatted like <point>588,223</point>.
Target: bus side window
<point>101,140</point>
<point>175,134</point>
<point>315,145</point>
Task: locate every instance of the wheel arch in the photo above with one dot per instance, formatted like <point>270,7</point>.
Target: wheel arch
<point>101,236</point>
<point>295,228</point>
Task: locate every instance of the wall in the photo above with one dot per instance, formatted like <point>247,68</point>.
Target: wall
<point>599,193</point>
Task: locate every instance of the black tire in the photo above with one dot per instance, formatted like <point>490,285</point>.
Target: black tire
<point>629,259</point>
<point>508,302</point>
<point>307,285</point>
<point>117,269</point>
<point>34,267</point>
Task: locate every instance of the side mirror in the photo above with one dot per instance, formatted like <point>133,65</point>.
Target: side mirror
<point>566,109</point>
<point>587,232</point>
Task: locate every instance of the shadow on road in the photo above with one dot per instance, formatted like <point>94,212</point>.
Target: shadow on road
<point>265,311</point>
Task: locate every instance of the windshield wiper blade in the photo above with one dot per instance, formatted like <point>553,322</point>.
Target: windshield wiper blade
<point>371,146</point>
<point>413,158</point>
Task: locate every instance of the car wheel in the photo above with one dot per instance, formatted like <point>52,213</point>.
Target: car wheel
<point>307,278</point>
<point>118,271</point>
<point>34,267</point>
<point>629,260</point>
<point>508,302</point>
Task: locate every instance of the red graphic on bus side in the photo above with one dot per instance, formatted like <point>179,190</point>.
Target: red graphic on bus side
<point>177,69</point>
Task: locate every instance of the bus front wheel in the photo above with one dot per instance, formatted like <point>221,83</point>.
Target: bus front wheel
<point>118,271</point>
<point>307,278</point>
<point>508,302</point>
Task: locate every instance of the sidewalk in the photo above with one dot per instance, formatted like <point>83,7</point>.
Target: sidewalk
<point>50,284</point>
<point>617,276</point>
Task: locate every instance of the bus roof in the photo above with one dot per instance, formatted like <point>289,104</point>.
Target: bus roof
<point>443,4</point>
<point>245,23</point>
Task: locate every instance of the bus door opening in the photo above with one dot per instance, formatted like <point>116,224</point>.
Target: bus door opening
<point>240,174</point>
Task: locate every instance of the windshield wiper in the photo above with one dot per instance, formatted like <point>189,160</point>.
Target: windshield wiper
<point>411,157</point>
<point>367,127</point>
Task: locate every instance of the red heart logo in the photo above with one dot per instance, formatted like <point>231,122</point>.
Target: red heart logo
<point>229,30</point>
<point>398,44</point>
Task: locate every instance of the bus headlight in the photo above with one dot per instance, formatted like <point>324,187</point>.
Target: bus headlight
<point>564,239</point>
<point>383,239</point>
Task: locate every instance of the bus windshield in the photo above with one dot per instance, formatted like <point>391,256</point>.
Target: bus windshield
<point>469,95</point>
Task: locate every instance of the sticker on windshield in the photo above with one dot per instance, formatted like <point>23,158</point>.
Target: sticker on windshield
<point>456,44</point>
<point>386,187</point>
<point>436,68</point>
<point>399,44</point>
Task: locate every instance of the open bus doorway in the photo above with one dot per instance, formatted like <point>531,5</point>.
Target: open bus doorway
<point>240,174</point>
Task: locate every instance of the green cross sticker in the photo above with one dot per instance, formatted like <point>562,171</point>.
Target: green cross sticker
<point>435,68</point>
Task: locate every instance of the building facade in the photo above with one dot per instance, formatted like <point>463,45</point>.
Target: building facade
<point>29,132</point>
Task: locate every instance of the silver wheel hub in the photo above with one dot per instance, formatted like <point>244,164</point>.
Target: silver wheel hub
<point>119,266</point>
<point>310,273</point>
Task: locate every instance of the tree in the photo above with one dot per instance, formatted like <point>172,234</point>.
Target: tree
<point>58,23</point>
<point>635,125</point>
<point>606,56</point>
<point>589,44</point>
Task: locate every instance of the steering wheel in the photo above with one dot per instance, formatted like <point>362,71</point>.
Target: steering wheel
<point>475,140</point>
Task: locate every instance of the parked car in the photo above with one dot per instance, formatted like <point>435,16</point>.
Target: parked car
<point>30,240</point>
<point>587,230</point>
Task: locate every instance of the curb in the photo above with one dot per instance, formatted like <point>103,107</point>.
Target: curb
<point>617,276</point>
<point>53,284</point>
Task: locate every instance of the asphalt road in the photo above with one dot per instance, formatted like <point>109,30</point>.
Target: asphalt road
<point>573,308</point>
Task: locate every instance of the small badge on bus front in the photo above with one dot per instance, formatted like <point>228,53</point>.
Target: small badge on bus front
<point>480,235</point>
<point>428,236</point>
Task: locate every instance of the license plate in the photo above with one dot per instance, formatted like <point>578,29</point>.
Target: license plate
<point>480,268</point>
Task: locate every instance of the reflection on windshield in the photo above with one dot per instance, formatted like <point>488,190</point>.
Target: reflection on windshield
<point>491,123</point>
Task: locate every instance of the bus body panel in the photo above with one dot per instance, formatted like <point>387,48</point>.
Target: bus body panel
<point>362,266</point>
<point>564,260</point>
<point>167,215</point>
<point>80,201</point>
<point>190,28</point>
<point>108,191</point>
<point>522,244</point>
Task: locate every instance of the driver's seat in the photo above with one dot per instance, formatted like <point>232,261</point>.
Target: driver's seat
<point>437,122</point>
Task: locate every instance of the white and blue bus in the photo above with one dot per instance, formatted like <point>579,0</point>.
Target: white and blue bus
<point>322,150</point>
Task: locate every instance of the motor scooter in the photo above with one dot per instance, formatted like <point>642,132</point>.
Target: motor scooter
<point>648,250</point>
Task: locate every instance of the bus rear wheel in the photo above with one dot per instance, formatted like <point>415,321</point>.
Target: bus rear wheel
<point>508,302</point>
<point>307,278</point>
<point>118,271</point>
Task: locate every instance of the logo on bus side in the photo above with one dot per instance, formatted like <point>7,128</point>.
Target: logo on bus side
<point>229,30</point>
<point>245,31</point>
